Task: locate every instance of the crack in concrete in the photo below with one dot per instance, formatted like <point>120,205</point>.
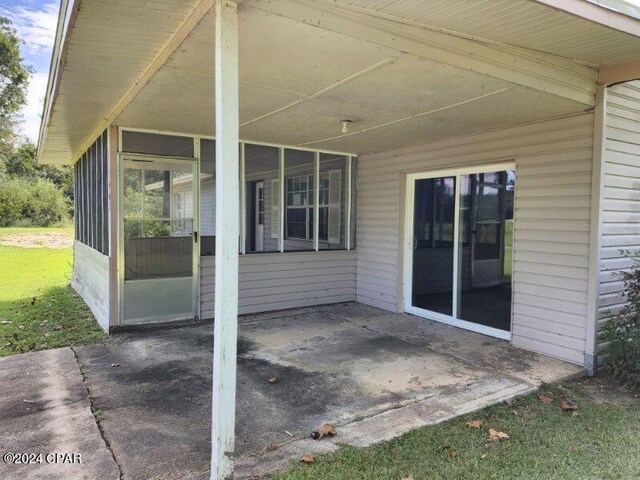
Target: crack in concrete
<point>103,434</point>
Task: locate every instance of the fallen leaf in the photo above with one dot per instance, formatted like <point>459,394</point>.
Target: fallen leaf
<point>59,326</point>
<point>453,453</point>
<point>308,459</point>
<point>326,430</point>
<point>495,435</point>
<point>474,423</point>
<point>410,477</point>
<point>483,456</point>
<point>568,406</point>
<point>273,380</point>
<point>546,400</point>
<point>589,428</point>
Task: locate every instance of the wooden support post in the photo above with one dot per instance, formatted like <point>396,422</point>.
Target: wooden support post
<point>227,231</point>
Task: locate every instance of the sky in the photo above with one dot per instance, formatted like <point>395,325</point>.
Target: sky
<point>35,21</point>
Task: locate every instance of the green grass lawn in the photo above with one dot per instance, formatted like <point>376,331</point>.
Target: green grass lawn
<point>601,440</point>
<point>57,317</point>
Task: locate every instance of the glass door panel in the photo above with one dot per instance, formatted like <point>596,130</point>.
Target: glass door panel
<point>433,242</point>
<point>158,201</point>
<point>460,236</point>
<point>484,248</point>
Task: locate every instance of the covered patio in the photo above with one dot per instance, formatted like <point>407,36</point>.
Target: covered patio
<point>372,373</point>
<point>430,158</point>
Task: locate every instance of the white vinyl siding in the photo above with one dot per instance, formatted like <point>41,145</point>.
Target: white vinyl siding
<point>275,208</point>
<point>208,208</point>
<point>275,281</point>
<point>90,279</point>
<point>620,216</point>
<point>551,233</point>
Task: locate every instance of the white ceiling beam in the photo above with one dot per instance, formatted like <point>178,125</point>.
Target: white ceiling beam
<point>619,73</point>
<point>543,72</point>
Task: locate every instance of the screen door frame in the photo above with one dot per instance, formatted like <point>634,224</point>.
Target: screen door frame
<point>124,286</point>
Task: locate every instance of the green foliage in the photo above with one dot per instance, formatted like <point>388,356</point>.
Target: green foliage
<point>57,317</point>
<point>30,193</point>
<point>37,202</point>
<point>599,441</point>
<point>14,79</point>
<point>22,163</point>
<point>622,330</point>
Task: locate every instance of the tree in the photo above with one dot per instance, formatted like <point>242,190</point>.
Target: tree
<point>22,163</point>
<point>14,79</point>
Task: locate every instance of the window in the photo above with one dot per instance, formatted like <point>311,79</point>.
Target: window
<point>300,207</point>
<point>178,205</point>
<point>260,204</point>
<point>277,197</point>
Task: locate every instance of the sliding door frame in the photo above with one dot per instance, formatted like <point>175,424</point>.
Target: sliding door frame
<point>453,319</point>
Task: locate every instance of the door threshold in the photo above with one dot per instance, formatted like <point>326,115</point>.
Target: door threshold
<point>464,324</point>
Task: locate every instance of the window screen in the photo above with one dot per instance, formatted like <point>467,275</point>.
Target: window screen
<point>91,196</point>
<point>155,144</point>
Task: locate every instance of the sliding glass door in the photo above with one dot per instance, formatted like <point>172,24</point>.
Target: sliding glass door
<point>459,230</point>
<point>433,242</point>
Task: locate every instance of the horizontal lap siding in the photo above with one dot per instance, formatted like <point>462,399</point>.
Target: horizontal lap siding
<point>551,236</point>
<point>275,281</point>
<point>90,279</point>
<point>620,227</point>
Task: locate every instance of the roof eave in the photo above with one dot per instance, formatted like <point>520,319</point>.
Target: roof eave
<point>597,13</point>
<point>66,19</point>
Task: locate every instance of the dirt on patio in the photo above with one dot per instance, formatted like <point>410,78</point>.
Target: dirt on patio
<point>38,240</point>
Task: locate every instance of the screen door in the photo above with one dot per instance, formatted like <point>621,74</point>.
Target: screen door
<point>159,228</point>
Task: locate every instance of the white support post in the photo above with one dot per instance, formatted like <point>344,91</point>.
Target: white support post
<point>227,231</point>
<point>349,193</point>
<point>316,201</point>
<point>282,199</point>
<point>243,201</point>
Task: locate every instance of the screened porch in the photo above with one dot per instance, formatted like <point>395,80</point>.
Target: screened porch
<point>168,223</point>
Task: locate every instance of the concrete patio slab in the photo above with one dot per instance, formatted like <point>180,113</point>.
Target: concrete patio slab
<point>373,373</point>
<point>44,409</point>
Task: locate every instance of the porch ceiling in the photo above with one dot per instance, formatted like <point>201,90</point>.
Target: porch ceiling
<point>528,24</point>
<point>303,69</point>
<point>296,93</point>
